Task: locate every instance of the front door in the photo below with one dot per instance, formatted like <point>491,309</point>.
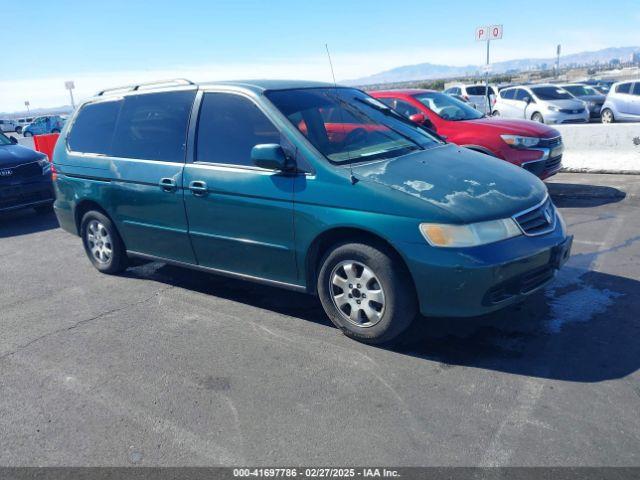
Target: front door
<point>240,216</point>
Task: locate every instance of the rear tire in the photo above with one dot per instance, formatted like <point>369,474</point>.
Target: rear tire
<point>27,134</point>
<point>537,117</point>
<point>102,243</point>
<point>366,292</point>
<point>18,130</point>
<point>607,116</point>
<point>55,130</point>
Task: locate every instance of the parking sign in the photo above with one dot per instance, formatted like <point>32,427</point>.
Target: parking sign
<point>482,33</point>
<point>495,32</point>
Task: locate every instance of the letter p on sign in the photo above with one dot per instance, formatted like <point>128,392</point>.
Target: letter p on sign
<point>482,33</point>
<point>490,32</point>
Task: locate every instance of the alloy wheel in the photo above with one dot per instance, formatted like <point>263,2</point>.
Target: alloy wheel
<point>357,293</point>
<point>99,242</point>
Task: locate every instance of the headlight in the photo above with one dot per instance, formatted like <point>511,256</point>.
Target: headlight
<point>470,235</point>
<point>552,108</point>
<point>45,165</point>
<point>517,141</point>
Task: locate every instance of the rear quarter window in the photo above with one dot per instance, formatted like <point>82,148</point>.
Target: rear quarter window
<point>93,128</point>
<point>507,94</point>
<point>623,88</point>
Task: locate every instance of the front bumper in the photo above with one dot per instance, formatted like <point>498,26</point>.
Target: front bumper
<point>560,118</point>
<point>25,195</point>
<point>473,281</point>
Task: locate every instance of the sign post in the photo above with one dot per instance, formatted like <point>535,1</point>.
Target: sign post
<point>488,33</point>
<point>70,86</point>
<point>26,104</point>
<point>558,61</point>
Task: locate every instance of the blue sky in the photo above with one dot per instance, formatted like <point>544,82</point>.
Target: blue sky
<point>104,43</point>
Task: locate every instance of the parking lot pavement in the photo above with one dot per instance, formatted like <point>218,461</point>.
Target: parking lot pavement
<point>163,366</point>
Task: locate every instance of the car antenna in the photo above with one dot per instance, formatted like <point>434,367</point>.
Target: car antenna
<point>353,179</point>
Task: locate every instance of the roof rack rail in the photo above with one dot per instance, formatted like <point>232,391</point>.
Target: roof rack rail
<point>158,83</point>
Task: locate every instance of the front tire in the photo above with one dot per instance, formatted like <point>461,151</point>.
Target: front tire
<point>496,113</point>
<point>537,117</point>
<point>55,130</point>
<point>607,116</point>
<point>366,292</point>
<point>102,243</point>
<point>27,134</point>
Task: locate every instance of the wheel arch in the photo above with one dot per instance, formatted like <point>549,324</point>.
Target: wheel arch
<point>481,149</point>
<point>334,236</point>
<point>85,206</point>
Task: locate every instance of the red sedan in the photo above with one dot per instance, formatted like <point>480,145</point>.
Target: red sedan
<point>531,145</point>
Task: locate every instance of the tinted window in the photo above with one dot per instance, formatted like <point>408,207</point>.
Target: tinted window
<point>508,94</point>
<point>93,128</point>
<point>520,94</point>
<point>623,88</point>
<point>477,90</point>
<point>551,93</point>
<point>154,126</point>
<point>636,89</point>
<point>580,90</point>
<point>229,126</point>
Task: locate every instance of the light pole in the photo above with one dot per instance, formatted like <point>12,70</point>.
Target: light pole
<point>69,85</point>
<point>26,104</point>
<point>558,61</point>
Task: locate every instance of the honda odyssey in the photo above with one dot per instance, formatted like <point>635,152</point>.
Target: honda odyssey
<point>306,186</point>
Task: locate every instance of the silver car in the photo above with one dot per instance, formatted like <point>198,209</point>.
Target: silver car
<point>475,94</point>
<point>622,103</point>
<point>540,103</point>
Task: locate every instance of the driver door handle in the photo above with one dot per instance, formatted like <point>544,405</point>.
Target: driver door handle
<point>198,188</point>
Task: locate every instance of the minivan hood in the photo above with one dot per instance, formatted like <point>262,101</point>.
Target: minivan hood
<point>14,155</point>
<point>468,185</point>
<point>515,127</point>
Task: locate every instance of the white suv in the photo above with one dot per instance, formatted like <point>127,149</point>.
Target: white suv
<point>476,95</point>
<point>541,103</point>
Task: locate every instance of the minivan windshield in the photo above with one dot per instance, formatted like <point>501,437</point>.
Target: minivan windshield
<point>551,93</point>
<point>447,107</point>
<point>346,125</point>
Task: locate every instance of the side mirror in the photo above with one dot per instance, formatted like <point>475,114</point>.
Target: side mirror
<point>13,140</point>
<point>527,100</point>
<point>270,156</point>
<point>418,118</point>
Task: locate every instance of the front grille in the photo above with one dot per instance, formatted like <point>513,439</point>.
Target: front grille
<point>553,164</point>
<point>550,142</point>
<point>572,111</point>
<point>537,220</point>
<point>27,170</point>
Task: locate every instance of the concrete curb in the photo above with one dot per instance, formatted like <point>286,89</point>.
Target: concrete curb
<point>605,171</point>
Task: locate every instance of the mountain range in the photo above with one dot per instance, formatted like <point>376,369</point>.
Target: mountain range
<point>426,71</point>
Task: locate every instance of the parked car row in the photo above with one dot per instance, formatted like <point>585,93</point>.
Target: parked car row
<point>556,104</point>
<point>30,126</point>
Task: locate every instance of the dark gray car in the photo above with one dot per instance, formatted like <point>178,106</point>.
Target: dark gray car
<point>589,95</point>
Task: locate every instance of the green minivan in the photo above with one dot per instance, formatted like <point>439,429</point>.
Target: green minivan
<point>307,186</point>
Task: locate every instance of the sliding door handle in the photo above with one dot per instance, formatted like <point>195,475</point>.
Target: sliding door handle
<point>198,188</point>
<point>167,184</point>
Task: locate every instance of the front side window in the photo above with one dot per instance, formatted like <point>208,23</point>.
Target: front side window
<point>623,88</point>
<point>477,90</point>
<point>347,125</point>
<point>400,106</point>
<point>551,93</point>
<point>520,94</point>
<point>154,126</point>
<point>229,126</point>
<point>636,89</point>
<point>447,107</point>
<point>93,128</point>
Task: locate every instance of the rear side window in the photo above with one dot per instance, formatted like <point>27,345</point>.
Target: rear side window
<point>154,126</point>
<point>508,94</point>
<point>623,88</point>
<point>476,90</point>
<point>229,126</point>
<point>93,128</point>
